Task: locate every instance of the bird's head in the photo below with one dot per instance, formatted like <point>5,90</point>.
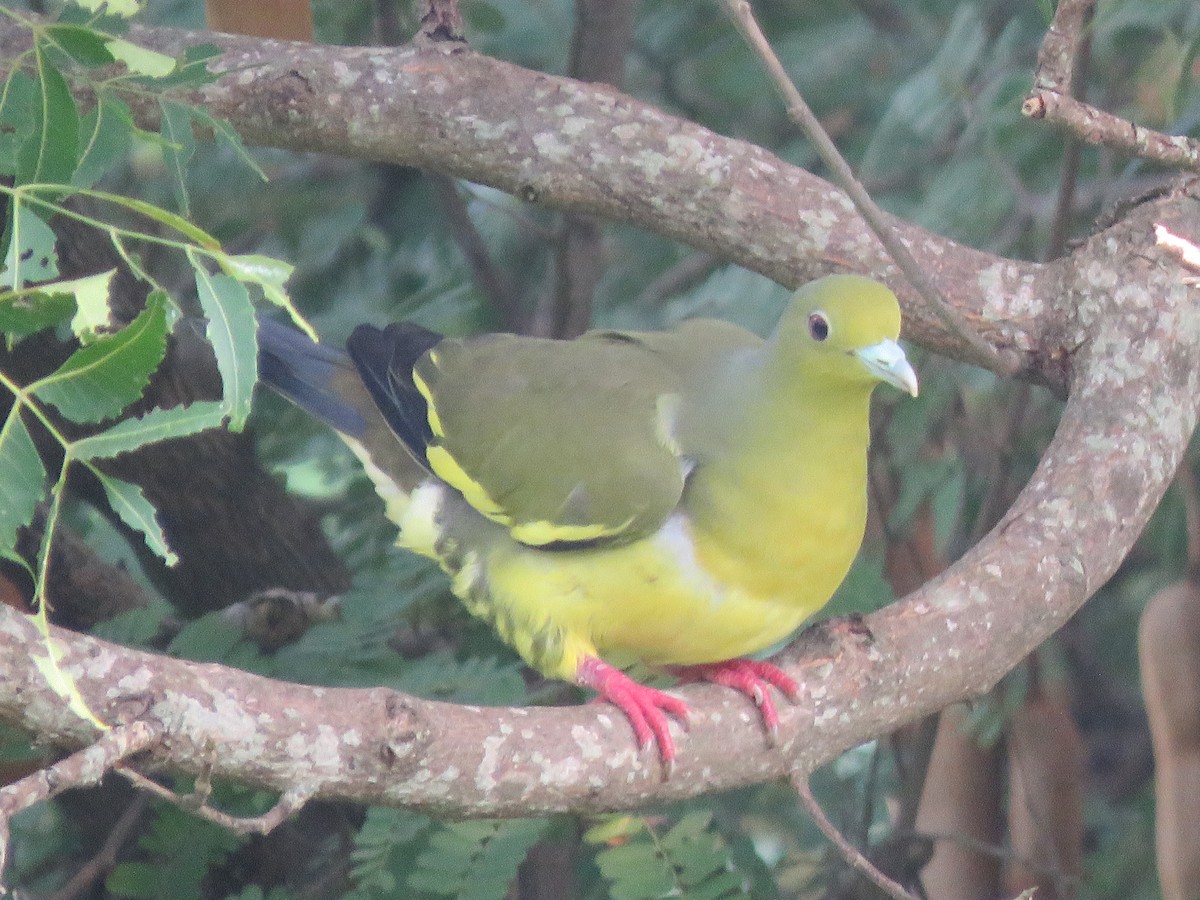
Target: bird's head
<point>844,328</point>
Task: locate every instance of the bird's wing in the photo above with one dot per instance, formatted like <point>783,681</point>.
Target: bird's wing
<point>566,443</point>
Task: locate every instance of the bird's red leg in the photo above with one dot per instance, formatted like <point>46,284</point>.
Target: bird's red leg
<point>749,676</point>
<point>646,708</point>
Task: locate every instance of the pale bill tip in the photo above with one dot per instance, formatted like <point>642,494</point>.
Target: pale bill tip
<point>887,362</point>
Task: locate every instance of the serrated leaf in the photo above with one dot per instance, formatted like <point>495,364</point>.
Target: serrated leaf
<point>84,45</point>
<point>211,638</point>
<point>129,502</point>
<point>726,884</point>
<point>162,216</point>
<point>231,332</point>
<point>105,135</point>
<point>31,257</point>
<point>192,72</point>
<point>92,310</point>
<point>29,312</point>
<point>156,425</point>
<point>494,869</point>
<point>50,153</point>
<point>123,8</point>
<point>268,273</point>
<point>689,828</point>
<point>179,145</point>
<point>141,60</point>
<point>99,380</point>
<point>225,134</point>
<point>63,684</point>
<point>22,480</point>
<point>16,117</point>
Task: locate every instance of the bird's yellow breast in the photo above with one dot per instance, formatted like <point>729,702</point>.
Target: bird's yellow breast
<point>675,598</point>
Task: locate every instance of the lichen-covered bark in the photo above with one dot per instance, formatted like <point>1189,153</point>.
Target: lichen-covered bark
<point>1115,321</point>
<point>587,148</point>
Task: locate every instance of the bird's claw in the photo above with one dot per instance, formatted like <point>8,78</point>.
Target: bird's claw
<point>752,678</point>
<point>646,708</point>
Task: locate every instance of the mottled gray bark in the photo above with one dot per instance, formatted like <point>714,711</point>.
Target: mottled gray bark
<point>1116,322</point>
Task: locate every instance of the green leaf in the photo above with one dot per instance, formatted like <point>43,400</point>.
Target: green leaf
<point>105,135</point>
<point>162,216</point>
<point>92,294</point>
<point>22,480</point>
<point>946,503</point>
<point>99,380</point>
<point>485,17</point>
<point>496,866</point>
<point>128,502</point>
<point>58,680</point>
<point>231,331</point>
<point>156,425</point>
<point>475,860</point>
<point>29,312</point>
<point>124,8</point>
<point>179,145</point>
<point>50,153</point>
<point>134,880</point>
<point>31,257</point>
<point>192,72</point>
<point>225,134</point>
<point>211,638</point>
<point>141,60</point>
<point>726,884</point>
<point>84,45</point>
<point>268,273</point>
<point>16,117</point>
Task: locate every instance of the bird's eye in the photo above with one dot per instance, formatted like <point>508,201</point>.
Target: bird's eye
<point>818,326</point>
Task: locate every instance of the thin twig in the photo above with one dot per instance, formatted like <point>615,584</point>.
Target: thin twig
<point>1051,97</point>
<point>290,802</point>
<point>488,279</point>
<point>849,852</point>
<point>1068,181</point>
<point>799,112</point>
<point>999,851</point>
<point>105,858</point>
<point>601,40</point>
<point>84,767</point>
<point>686,273</point>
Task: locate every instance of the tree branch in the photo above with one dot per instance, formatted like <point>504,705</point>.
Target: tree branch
<point>83,768</point>
<point>1051,97</point>
<point>1126,344</point>
<point>799,112</point>
<point>851,854</point>
<point>588,149</point>
<point>1133,405</point>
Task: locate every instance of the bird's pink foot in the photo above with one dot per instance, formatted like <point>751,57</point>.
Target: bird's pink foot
<point>749,676</point>
<point>645,708</point>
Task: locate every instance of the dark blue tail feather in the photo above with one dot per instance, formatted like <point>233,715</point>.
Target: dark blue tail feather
<point>303,372</point>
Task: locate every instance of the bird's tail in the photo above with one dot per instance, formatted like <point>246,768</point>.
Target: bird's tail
<point>327,384</point>
<point>307,374</point>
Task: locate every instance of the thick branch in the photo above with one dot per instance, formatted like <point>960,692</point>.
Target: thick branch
<point>586,148</point>
<point>1132,408</point>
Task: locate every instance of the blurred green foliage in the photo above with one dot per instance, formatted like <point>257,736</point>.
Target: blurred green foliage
<point>923,97</point>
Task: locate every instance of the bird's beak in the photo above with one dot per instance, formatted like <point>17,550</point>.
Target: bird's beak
<point>887,362</point>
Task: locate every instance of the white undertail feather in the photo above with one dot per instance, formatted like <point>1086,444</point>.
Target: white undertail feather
<point>415,513</point>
